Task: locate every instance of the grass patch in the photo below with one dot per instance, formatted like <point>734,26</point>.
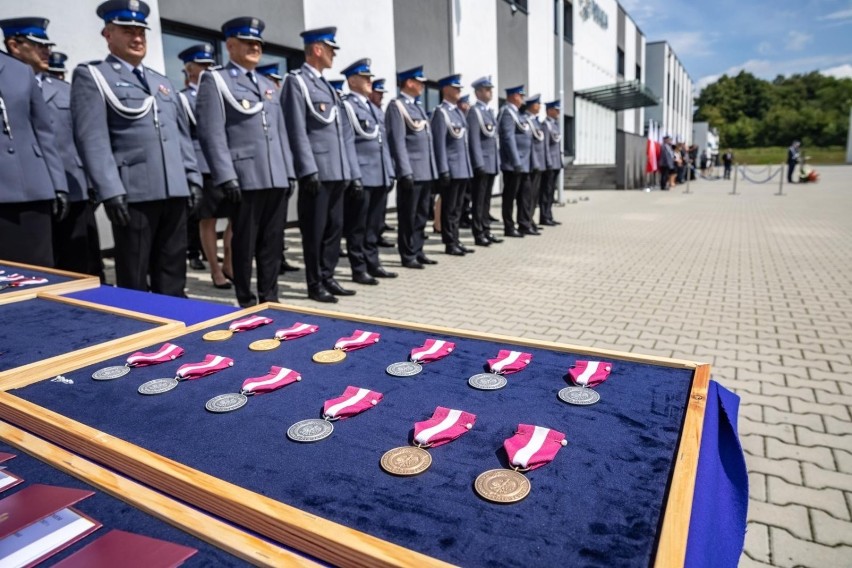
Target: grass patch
<point>777,155</point>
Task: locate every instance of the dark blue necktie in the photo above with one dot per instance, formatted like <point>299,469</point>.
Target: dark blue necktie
<point>141,77</point>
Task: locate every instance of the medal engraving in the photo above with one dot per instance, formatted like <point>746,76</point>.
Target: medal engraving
<point>217,335</point>
<point>311,430</point>
<point>404,369</point>
<point>329,356</point>
<point>579,396</point>
<point>264,345</point>
<point>502,486</point>
<point>487,381</point>
<point>110,373</point>
<point>157,386</point>
<point>226,402</point>
<point>407,460</point>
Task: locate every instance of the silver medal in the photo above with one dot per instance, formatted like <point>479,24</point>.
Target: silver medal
<point>158,386</point>
<point>226,402</point>
<point>404,369</point>
<point>311,430</point>
<point>110,373</point>
<point>487,381</point>
<point>579,396</point>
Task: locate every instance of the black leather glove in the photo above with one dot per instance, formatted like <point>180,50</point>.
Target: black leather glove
<point>479,171</point>
<point>519,169</point>
<point>116,210</point>
<point>444,179</point>
<point>60,206</point>
<point>405,183</point>
<point>356,188</point>
<point>310,184</point>
<point>195,197</point>
<point>232,191</point>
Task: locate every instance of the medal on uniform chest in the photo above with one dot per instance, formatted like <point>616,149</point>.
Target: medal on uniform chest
<point>190,371</point>
<point>445,426</point>
<point>164,90</point>
<point>506,363</point>
<point>322,107</point>
<point>587,374</point>
<point>432,350</point>
<point>357,340</point>
<point>268,94</point>
<point>530,448</point>
<point>164,354</point>
<point>244,324</point>
<point>19,281</point>
<point>295,331</point>
<point>276,378</point>
<point>352,402</point>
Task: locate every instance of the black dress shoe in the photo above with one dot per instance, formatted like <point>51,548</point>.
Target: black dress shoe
<point>454,250</point>
<point>364,278</point>
<point>386,227</point>
<point>555,222</point>
<point>320,294</point>
<point>494,238</point>
<point>464,224</point>
<point>530,232</point>
<point>380,272</point>
<point>343,253</point>
<point>287,267</point>
<point>223,286</point>
<point>383,242</point>
<point>336,289</point>
<point>196,264</point>
<point>482,242</point>
<point>413,264</point>
<point>466,250</point>
<point>547,223</point>
<point>491,217</point>
<point>425,260</point>
<point>512,233</point>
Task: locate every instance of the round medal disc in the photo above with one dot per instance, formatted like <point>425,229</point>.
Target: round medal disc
<point>502,486</point>
<point>311,430</point>
<point>407,460</point>
<point>330,356</point>
<point>487,381</point>
<point>217,335</point>
<point>264,345</point>
<point>579,396</point>
<point>157,386</point>
<point>404,369</point>
<point>110,373</point>
<point>226,402</point>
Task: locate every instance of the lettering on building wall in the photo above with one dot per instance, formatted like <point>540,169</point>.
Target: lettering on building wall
<point>590,9</point>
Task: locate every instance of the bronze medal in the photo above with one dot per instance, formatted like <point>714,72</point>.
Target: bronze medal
<point>407,460</point>
<point>502,486</point>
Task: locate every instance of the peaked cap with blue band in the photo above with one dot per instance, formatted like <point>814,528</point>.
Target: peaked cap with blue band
<point>198,53</point>
<point>553,104</point>
<point>34,29</point>
<point>379,86</point>
<point>519,90</point>
<point>321,35</point>
<point>483,83</point>
<point>56,62</point>
<point>270,70</point>
<point>125,13</point>
<point>247,28</point>
<point>413,73</point>
<point>450,81</point>
<point>533,99</point>
<point>360,67</point>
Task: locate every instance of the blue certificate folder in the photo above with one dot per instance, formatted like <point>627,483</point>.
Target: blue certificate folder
<point>599,503</point>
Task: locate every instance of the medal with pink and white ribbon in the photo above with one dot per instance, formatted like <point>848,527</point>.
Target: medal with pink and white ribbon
<point>168,352</point>
<point>358,340</point>
<point>238,326</point>
<point>19,281</point>
<point>530,448</point>
<point>295,331</point>
<point>276,378</point>
<point>432,350</point>
<point>445,426</point>
<point>506,363</point>
<point>352,402</point>
<point>189,372</point>
<point>587,374</point>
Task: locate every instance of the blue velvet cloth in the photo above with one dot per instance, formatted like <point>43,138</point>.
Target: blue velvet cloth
<point>37,329</point>
<point>189,312</point>
<point>51,278</point>
<point>111,512</point>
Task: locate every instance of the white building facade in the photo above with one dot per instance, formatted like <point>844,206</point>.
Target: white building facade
<point>668,78</point>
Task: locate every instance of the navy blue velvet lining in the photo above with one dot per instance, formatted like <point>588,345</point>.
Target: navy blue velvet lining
<point>598,503</point>
<point>37,329</point>
<point>51,278</point>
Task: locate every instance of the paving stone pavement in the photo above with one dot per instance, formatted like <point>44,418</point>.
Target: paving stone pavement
<point>756,284</point>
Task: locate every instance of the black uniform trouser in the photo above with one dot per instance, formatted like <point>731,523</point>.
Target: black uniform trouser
<point>412,211</point>
<point>150,252</point>
<point>480,199</point>
<point>76,246</point>
<point>25,232</point>
<point>791,169</point>
<point>664,177</point>
<point>513,183</point>
<point>193,237</point>
<point>545,198</point>
<point>362,224</point>
<point>321,225</point>
<point>530,199</point>
<point>452,203</point>
<point>257,223</point>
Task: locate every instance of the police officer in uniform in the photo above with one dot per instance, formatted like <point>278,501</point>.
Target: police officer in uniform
<point>270,71</point>
<point>553,155</point>
<point>56,65</point>
<point>244,138</point>
<point>485,159</point>
<point>377,95</point>
<point>464,104</point>
<point>515,155</point>
<point>365,214</point>
<point>452,157</point>
<point>410,139</point>
<point>323,146</point>
<point>133,137</point>
<point>529,195</point>
<point>33,186</point>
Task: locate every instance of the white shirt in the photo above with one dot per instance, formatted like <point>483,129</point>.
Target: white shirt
<point>130,67</point>
<point>314,71</point>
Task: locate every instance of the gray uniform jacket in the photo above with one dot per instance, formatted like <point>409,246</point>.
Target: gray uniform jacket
<point>190,94</point>
<point>449,135</point>
<point>482,138</point>
<point>515,140</point>
<point>552,140</point>
<point>251,148</point>
<point>410,145</point>
<point>30,166</point>
<point>148,158</point>
<point>538,158</point>
<point>371,142</point>
<point>57,95</point>
<point>667,159</point>
<point>320,145</point>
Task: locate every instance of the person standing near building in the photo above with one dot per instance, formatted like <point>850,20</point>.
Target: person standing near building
<point>538,165</point>
<point>364,212</point>
<point>667,162</point>
<point>727,162</point>
<point>452,158</point>
<point>244,138</point>
<point>485,159</point>
<point>33,184</point>
<point>553,162</point>
<point>134,141</point>
<point>377,95</point>
<point>515,160</point>
<point>56,65</point>
<point>410,140</point>
<point>792,160</point>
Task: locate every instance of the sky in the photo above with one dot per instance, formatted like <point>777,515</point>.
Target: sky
<point>765,37</point>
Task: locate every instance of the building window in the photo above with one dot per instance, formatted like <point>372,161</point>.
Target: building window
<point>639,72</point>
<point>569,19</point>
<point>568,133</point>
<point>620,62</point>
<point>431,97</point>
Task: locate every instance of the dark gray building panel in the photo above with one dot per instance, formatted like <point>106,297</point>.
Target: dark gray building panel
<point>421,28</point>
<point>512,47</point>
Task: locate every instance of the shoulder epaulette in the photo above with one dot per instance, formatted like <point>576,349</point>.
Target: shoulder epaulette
<point>94,62</point>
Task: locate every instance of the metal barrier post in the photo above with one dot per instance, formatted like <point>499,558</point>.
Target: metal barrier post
<point>781,182</point>
<point>736,169</point>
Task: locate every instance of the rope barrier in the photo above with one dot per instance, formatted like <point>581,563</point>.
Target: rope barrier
<point>744,174</point>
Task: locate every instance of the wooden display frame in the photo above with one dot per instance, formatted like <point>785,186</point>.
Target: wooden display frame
<point>79,282</point>
<point>324,539</point>
<point>47,368</point>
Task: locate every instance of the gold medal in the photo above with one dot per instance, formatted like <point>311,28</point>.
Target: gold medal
<point>246,104</point>
<point>502,486</point>
<point>264,345</point>
<point>407,460</point>
<point>330,356</point>
<point>217,335</point>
